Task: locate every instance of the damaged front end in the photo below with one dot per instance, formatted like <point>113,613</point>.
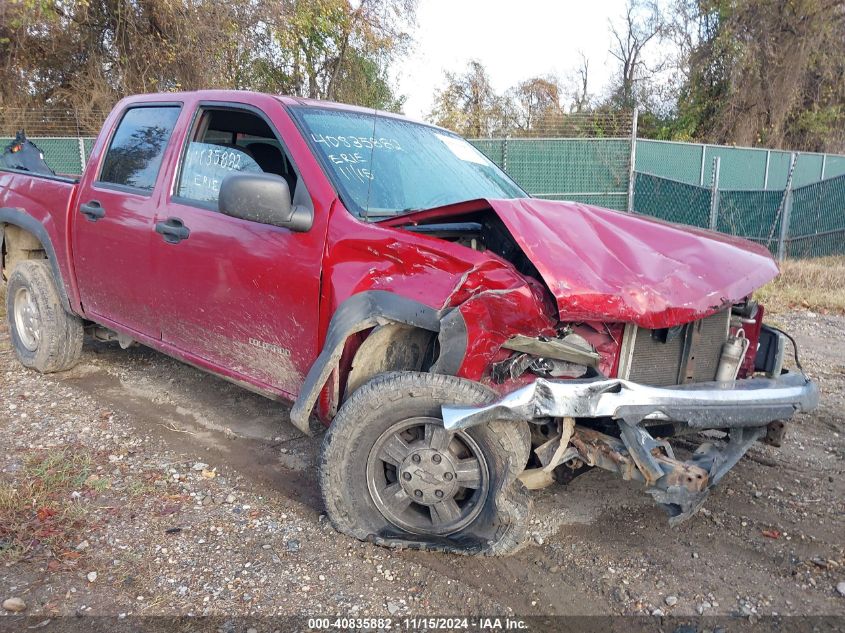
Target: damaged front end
<point>608,333</point>
<point>651,335</point>
<point>620,425</point>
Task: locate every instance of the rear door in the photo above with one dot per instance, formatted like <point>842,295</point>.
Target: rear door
<point>114,231</point>
<point>240,295</point>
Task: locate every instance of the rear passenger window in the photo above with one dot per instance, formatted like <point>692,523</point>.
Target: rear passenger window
<point>137,147</point>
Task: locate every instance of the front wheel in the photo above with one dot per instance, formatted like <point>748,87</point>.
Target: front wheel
<point>390,472</point>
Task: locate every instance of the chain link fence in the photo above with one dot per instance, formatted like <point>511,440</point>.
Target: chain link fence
<point>817,221</point>
<point>592,171</point>
<point>793,204</point>
<point>51,122</point>
<point>65,136</point>
<point>671,200</point>
<point>800,222</point>
<point>794,207</point>
<point>64,155</point>
<point>585,157</point>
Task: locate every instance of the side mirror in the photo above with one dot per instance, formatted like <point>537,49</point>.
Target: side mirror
<point>262,198</point>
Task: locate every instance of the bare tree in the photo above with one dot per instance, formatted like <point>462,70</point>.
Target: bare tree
<point>580,92</point>
<point>641,24</point>
<point>534,103</point>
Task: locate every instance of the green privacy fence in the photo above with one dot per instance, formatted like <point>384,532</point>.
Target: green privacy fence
<point>593,171</point>
<point>598,170</point>
<point>753,196</point>
<point>817,222</point>
<point>548,168</point>
<point>742,168</point>
<point>64,155</point>
<point>805,221</point>
<point>590,170</point>
<point>750,200</point>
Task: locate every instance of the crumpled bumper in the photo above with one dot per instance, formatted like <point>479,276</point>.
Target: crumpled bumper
<point>743,407</point>
<point>705,405</point>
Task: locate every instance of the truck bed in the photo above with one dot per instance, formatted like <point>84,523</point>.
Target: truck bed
<point>41,204</point>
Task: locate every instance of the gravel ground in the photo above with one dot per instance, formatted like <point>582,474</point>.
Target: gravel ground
<point>182,494</point>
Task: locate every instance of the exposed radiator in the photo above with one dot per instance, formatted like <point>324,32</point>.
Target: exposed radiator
<point>648,360</point>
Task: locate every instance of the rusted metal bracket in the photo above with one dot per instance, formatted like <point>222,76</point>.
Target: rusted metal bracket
<point>610,453</point>
<point>551,454</point>
<point>680,487</point>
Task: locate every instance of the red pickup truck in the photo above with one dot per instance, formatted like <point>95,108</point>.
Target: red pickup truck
<point>462,341</point>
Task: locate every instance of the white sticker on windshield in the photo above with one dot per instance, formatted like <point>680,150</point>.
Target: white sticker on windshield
<point>462,149</point>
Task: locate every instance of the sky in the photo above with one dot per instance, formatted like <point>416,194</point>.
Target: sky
<point>513,39</point>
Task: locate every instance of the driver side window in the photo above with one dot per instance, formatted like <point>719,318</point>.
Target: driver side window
<point>226,141</point>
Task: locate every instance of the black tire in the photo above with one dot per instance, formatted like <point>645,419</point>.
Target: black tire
<point>499,527</point>
<point>57,345</point>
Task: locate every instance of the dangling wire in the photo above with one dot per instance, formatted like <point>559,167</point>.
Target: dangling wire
<point>794,344</point>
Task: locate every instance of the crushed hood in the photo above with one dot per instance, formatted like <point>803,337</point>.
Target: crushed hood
<point>607,265</point>
<point>604,265</point>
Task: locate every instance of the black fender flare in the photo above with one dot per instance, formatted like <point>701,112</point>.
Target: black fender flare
<point>369,309</point>
<point>19,218</point>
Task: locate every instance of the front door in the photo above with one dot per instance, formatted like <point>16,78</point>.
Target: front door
<point>113,234</point>
<point>240,295</point>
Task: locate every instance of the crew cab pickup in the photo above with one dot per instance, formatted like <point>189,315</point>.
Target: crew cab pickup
<point>462,341</point>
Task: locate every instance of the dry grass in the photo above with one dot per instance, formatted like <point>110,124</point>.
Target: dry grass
<point>37,509</point>
<point>815,284</point>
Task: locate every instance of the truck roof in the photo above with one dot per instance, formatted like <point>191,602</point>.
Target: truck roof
<point>247,96</point>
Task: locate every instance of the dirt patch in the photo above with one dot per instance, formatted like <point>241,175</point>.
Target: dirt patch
<point>207,504</point>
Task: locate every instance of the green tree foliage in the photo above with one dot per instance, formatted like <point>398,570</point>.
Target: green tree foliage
<point>469,105</point>
<point>762,72</point>
<point>744,72</point>
<point>330,49</point>
<point>84,54</point>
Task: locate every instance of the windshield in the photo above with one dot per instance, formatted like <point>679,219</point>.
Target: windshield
<point>384,166</point>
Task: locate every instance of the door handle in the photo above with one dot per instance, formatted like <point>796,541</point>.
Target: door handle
<point>173,230</point>
<point>92,210</point>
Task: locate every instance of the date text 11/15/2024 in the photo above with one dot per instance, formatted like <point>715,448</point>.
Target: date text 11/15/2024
<point>421,624</point>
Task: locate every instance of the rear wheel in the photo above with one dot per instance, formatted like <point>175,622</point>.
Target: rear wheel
<point>44,336</point>
<point>390,472</point>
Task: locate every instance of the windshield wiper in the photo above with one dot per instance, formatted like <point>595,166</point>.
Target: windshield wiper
<point>381,213</point>
<point>387,213</point>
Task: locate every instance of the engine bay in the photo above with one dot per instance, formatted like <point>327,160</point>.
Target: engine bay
<point>481,231</point>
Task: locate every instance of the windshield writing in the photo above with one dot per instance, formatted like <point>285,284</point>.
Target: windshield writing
<point>384,166</point>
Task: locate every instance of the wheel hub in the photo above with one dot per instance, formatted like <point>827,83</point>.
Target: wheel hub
<point>426,480</point>
<point>27,319</point>
<point>428,476</point>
